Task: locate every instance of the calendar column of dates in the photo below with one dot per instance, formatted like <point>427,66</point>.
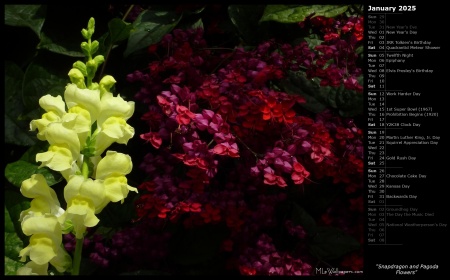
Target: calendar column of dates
<point>376,149</point>
<point>403,128</point>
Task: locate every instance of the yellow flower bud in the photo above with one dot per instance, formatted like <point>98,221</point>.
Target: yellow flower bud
<point>77,78</point>
<point>106,84</point>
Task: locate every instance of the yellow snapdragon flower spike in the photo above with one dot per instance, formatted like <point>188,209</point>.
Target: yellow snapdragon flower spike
<point>79,129</point>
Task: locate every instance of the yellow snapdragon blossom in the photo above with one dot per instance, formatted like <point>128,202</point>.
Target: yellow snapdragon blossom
<point>45,241</point>
<point>44,197</point>
<point>88,99</point>
<point>112,106</point>
<point>110,112</point>
<point>113,130</point>
<point>40,222</point>
<point>79,120</point>
<point>76,118</point>
<point>87,197</point>
<point>111,170</point>
<point>32,268</point>
<point>55,110</point>
<point>84,196</point>
<point>64,148</point>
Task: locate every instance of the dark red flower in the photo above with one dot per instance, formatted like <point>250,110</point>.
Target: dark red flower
<point>184,115</point>
<point>153,138</point>
<point>299,173</point>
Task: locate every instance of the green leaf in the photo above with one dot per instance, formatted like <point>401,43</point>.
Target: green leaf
<point>348,102</point>
<point>317,198</point>
<point>245,18</point>
<point>14,204</point>
<point>299,216</point>
<point>331,243</point>
<point>298,84</point>
<point>119,30</point>
<point>116,214</point>
<point>197,24</point>
<point>20,170</point>
<point>13,244</point>
<point>30,154</point>
<point>16,129</point>
<point>197,245</point>
<point>313,41</point>
<point>32,16</point>
<point>294,14</point>
<point>149,28</point>
<point>11,265</point>
<point>59,47</point>
<point>360,51</point>
<point>195,11</point>
<point>42,78</point>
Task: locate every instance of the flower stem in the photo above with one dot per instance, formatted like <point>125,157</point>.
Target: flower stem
<point>111,45</point>
<point>248,148</point>
<point>77,256</point>
<point>85,170</point>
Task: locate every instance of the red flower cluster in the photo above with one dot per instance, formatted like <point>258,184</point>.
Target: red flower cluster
<point>225,147</point>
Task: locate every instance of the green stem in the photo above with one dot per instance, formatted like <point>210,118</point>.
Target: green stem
<point>111,45</point>
<point>77,256</point>
<point>85,170</point>
<point>127,12</point>
<point>248,148</point>
<point>89,78</point>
